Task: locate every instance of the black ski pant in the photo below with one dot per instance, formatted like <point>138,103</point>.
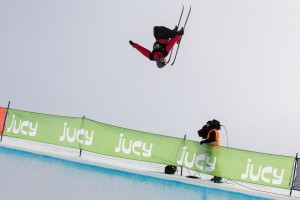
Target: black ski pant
<point>161,32</point>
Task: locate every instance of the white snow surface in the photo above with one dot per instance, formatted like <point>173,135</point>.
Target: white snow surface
<point>31,190</point>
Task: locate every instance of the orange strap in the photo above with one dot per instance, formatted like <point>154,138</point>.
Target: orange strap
<point>217,142</point>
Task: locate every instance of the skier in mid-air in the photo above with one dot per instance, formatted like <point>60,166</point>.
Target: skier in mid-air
<point>165,40</point>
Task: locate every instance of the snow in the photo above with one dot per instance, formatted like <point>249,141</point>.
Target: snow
<point>27,179</point>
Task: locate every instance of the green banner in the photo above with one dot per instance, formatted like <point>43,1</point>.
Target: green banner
<point>97,137</point>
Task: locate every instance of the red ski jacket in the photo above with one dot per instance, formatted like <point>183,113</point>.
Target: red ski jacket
<point>167,43</point>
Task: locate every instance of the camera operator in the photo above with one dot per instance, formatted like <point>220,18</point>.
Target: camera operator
<point>210,134</point>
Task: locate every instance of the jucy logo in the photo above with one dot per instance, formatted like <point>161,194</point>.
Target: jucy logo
<point>82,136</point>
<point>25,127</point>
<point>266,174</point>
<point>200,161</point>
<point>137,147</point>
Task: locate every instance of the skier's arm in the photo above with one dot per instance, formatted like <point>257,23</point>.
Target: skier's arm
<point>141,49</point>
<point>172,43</point>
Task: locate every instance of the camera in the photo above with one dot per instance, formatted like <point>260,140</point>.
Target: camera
<point>203,132</point>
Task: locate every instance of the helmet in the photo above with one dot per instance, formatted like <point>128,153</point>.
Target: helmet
<point>160,61</point>
<point>216,124</point>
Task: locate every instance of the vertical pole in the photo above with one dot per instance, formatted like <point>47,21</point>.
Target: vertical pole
<point>293,178</point>
<point>4,120</point>
<point>81,126</point>
<point>181,166</point>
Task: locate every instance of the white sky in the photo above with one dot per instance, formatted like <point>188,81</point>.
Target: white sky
<point>238,62</point>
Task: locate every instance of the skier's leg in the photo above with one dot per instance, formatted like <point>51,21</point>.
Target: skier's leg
<point>161,32</point>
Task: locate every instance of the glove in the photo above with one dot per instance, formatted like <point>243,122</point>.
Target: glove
<point>181,32</point>
<point>131,43</point>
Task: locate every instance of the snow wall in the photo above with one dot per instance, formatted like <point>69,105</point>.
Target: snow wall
<point>26,175</point>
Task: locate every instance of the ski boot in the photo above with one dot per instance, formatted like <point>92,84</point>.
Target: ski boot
<point>175,29</point>
<point>181,31</point>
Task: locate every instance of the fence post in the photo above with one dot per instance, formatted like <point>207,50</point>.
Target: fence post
<point>81,126</point>
<point>4,121</point>
<point>181,166</point>
<point>294,173</point>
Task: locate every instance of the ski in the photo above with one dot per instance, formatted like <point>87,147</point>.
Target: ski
<point>181,37</point>
<point>178,27</point>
